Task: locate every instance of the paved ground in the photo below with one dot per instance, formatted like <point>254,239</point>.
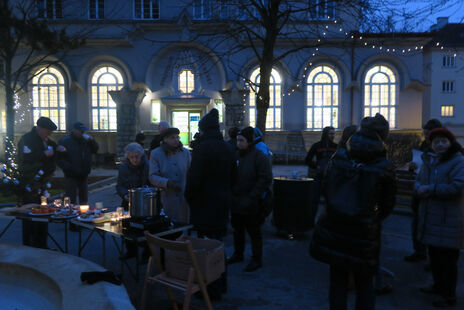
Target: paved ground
<point>290,278</point>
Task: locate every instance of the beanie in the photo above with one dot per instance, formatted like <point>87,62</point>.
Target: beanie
<point>442,132</point>
<point>377,124</point>
<point>209,121</point>
<point>247,133</point>
<point>432,124</point>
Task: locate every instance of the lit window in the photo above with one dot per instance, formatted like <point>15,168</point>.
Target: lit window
<point>155,111</point>
<point>96,9</point>
<point>48,96</point>
<point>449,61</point>
<point>321,9</point>
<point>219,105</point>
<point>3,122</point>
<point>50,9</point>
<point>202,9</point>
<point>380,85</point>
<point>105,79</point>
<point>447,110</point>
<point>447,86</point>
<point>322,98</point>
<point>186,81</point>
<point>274,112</point>
<point>146,9</point>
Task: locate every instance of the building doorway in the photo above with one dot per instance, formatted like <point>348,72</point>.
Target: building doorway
<point>187,123</point>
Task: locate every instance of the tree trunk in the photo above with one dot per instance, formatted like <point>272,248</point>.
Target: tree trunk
<point>10,113</point>
<point>262,100</point>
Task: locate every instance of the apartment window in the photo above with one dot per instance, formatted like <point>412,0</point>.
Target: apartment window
<point>155,111</point>
<point>322,9</point>
<point>447,86</point>
<point>146,9</point>
<point>202,9</point>
<point>50,9</point>
<point>186,81</point>
<point>96,9</point>
<point>447,110</point>
<point>449,61</point>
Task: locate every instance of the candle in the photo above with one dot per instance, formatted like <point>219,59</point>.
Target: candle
<point>84,208</point>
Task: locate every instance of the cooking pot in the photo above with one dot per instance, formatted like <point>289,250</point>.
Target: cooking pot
<point>143,202</point>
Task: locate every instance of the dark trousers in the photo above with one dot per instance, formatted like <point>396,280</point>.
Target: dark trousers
<point>444,263</point>
<point>35,234</point>
<point>419,247</point>
<point>252,225</point>
<point>338,291</point>
<point>75,187</point>
<point>219,286</point>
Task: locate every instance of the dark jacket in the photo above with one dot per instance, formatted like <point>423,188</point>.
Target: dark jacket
<point>209,183</point>
<point>323,152</point>
<point>31,157</point>
<point>359,189</point>
<point>130,176</point>
<point>76,162</point>
<point>254,177</point>
<point>155,142</point>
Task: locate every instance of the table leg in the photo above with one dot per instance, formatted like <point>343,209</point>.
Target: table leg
<point>6,228</point>
<point>55,242</point>
<point>66,237</point>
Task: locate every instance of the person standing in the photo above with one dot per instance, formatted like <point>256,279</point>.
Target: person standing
<point>440,187</point>
<point>359,191</point>
<point>420,250</point>
<point>157,139</point>
<point>36,157</point>
<point>233,137</point>
<point>209,184</point>
<point>169,164</point>
<point>323,151</point>
<point>254,177</point>
<point>76,162</point>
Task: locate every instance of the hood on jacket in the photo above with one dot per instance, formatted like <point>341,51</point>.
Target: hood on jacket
<point>210,121</point>
<point>365,146</point>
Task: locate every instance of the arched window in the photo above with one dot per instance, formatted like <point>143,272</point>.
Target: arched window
<point>48,96</point>
<point>273,119</point>
<point>105,79</point>
<point>322,98</point>
<point>380,86</point>
<point>186,81</point>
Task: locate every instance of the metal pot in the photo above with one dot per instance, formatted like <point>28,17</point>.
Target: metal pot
<point>143,202</point>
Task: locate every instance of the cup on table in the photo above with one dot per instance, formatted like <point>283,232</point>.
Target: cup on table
<point>98,208</point>
<point>120,211</point>
<point>66,202</point>
<point>84,208</point>
<point>57,203</point>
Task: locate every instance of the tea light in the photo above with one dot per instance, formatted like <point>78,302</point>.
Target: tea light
<point>84,208</point>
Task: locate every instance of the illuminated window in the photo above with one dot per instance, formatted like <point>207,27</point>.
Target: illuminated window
<point>155,111</point>
<point>48,96</point>
<point>50,9</point>
<point>3,122</point>
<point>447,86</point>
<point>186,81</point>
<point>322,98</point>
<point>380,86</point>
<point>96,9</point>
<point>447,110</point>
<point>146,9</point>
<point>274,112</point>
<point>219,105</point>
<point>105,79</point>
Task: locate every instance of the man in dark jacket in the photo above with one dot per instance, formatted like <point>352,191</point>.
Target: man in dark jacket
<point>254,177</point>
<point>359,189</point>
<point>76,162</point>
<point>36,161</point>
<point>209,186</point>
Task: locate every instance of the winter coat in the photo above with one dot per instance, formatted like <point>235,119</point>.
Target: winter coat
<point>131,176</point>
<point>76,162</point>
<point>263,148</point>
<point>209,183</point>
<point>323,153</point>
<point>441,216</point>
<point>254,178</point>
<point>171,167</point>
<point>359,193</point>
<point>155,142</point>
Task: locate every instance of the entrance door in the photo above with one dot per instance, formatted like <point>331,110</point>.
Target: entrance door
<point>187,122</point>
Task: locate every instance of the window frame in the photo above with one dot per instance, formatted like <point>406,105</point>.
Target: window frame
<point>99,15</point>
<point>202,6</point>
<point>332,106</point>
<point>42,9</point>
<point>449,61</point>
<point>449,106</point>
<point>152,9</point>
<point>179,72</point>
<point>448,86</point>
<point>317,14</point>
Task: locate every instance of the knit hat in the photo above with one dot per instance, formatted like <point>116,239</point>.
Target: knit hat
<point>247,133</point>
<point>378,124</point>
<point>432,124</point>
<point>169,132</point>
<point>442,132</point>
<point>209,121</point>
<point>46,123</point>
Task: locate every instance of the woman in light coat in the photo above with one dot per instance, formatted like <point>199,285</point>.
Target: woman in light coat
<point>169,164</point>
<point>440,186</point>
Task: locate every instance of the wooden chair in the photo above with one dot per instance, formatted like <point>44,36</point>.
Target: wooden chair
<point>187,287</point>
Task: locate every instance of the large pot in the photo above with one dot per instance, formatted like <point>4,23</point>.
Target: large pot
<point>143,202</point>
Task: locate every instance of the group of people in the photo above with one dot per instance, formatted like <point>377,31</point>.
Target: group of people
<point>358,184</point>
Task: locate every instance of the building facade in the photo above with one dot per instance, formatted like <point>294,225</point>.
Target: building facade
<point>144,61</point>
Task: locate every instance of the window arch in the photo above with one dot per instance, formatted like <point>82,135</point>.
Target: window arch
<point>186,81</point>
<point>380,86</point>
<point>48,97</point>
<point>105,79</point>
<point>274,112</point>
<point>322,91</point>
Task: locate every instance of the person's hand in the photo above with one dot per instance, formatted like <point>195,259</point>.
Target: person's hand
<point>171,185</point>
<point>60,148</point>
<point>412,166</point>
<point>424,191</point>
<point>49,152</point>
